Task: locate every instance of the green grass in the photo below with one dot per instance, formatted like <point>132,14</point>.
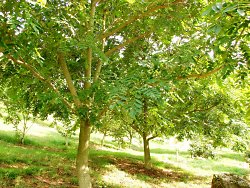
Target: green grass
<point>44,161</point>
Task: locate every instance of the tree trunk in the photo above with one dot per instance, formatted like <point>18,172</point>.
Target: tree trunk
<point>24,129</point>
<point>82,155</point>
<point>130,138</point>
<point>177,154</point>
<point>22,140</point>
<point>130,141</point>
<point>67,140</point>
<point>147,157</point>
<point>103,138</point>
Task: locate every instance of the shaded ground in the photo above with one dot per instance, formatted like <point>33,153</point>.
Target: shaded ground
<point>138,168</point>
<point>45,163</point>
<point>34,166</point>
<point>127,167</point>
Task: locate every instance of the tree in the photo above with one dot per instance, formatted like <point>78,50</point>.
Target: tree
<point>66,128</point>
<point>113,124</point>
<point>66,46</point>
<point>210,109</point>
<point>228,26</point>
<point>224,46</point>
<point>17,108</point>
<point>146,111</point>
<point>141,97</point>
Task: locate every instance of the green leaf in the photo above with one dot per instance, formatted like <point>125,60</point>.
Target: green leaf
<point>42,3</point>
<point>207,11</point>
<point>241,12</point>
<point>131,1</point>
<point>230,8</point>
<point>216,29</point>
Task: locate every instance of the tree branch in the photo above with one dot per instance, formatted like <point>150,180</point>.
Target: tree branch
<point>136,128</point>
<point>41,78</point>
<point>109,53</point>
<point>118,47</point>
<point>152,137</point>
<point>99,63</point>
<point>202,110</point>
<point>68,78</point>
<point>204,75</point>
<point>137,17</point>
<point>89,59</point>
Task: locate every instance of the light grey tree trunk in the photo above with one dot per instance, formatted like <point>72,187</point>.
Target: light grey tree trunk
<point>103,138</point>
<point>83,171</point>
<point>67,140</point>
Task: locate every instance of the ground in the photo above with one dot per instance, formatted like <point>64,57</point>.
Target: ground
<point>44,162</point>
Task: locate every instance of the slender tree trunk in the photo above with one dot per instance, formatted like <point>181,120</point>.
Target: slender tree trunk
<point>82,155</point>
<point>103,138</point>
<point>130,133</point>
<point>22,140</point>
<point>147,157</point>
<point>24,130</point>
<point>130,140</point>
<point>85,128</point>
<point>177,154</point>
<point>66,140</point>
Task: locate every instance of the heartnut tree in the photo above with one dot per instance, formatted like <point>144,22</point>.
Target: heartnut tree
<point>68,47</point>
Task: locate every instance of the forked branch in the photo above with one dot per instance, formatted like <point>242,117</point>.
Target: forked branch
<point>137,17</point>
<point>37,75</point>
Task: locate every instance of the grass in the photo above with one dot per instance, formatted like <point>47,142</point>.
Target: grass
<point>44,161</point>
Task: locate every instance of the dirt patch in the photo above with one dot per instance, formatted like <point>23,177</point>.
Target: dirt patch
<point>15,166</point>
<point>46,180</point>
<point>42,181</point>
<point>138,168</point>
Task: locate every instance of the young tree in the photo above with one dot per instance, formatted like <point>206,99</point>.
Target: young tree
<point>140,103</point>
<point>66,128</point>
<point>17,108</point>
<point>66,46</point>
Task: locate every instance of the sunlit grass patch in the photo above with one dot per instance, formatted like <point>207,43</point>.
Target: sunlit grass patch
<point>39,166</point>
<point>119,178</point>
<point>44,161</point>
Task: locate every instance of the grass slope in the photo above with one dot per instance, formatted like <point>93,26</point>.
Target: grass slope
<point>44,162</point>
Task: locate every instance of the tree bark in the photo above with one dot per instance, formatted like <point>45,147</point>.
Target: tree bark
<point>147,157</point>
<point>82,155</point>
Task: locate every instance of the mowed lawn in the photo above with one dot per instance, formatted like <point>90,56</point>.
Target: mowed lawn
<point>44,162</point>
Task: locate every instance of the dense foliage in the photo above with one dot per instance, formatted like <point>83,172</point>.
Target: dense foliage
<point>160,63</point>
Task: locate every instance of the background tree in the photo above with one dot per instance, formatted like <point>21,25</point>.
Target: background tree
<point>140,99</point>
<point>66,127</point>
<point>17,110</point>
<point>212,111</point>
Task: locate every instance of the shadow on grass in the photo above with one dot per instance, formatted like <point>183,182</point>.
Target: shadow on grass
<point>46,161</point>
<point>133,165</point>
<point>34,167</point>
